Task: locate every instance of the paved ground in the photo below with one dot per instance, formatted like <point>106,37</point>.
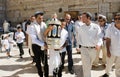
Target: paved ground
<point>16,67</point>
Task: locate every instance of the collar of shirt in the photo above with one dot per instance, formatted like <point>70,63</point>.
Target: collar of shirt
<point>37,23</point>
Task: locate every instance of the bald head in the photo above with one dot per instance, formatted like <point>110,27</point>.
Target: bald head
<point>67,17</point>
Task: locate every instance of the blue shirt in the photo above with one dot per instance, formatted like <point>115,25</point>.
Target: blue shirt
<point>69,27</point>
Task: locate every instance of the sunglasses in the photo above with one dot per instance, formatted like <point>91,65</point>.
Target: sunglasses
<point>101,21</point>
<point>67,19</point>
<point>117,18</point>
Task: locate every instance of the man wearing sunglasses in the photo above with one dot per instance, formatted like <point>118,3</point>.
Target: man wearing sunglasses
<point>70,29</point>
<point>103,26</point>
<point>113,43</point>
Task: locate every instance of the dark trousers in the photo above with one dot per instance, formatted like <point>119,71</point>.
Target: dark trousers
<point>57,72</point>
<point>40,57</point>
<point>62,58</point>
<point>31,56</point>
<point>70,60</point>
<point>20,46</point>
<point>74,42</point>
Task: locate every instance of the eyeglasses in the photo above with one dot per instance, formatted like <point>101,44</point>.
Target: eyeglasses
<point>117,18</point>
<point>100,21</point>
<point>67,19</point>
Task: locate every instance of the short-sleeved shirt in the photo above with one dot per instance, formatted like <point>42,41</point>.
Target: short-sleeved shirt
<point>6,43</point>
<point>63,38</point>
<point>114,34</point>
<point>21,37</point>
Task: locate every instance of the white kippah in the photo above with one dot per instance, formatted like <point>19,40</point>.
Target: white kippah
<point>103,16</point>
<point>5,35</point>
<point>39,12</point>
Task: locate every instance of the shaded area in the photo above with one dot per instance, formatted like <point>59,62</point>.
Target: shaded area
<point>28,68</point>
<point>24,59</point>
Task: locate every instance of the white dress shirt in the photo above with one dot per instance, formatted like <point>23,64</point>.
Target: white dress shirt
<point>29,41</point>
<point>6,26</point>
<point>63,38</point>
<point>114,34</point>
<point>89,35</point>
<point>19,36</point>
<point>36,31</point>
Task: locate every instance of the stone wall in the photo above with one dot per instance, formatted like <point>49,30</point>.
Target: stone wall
<point>2,11</point>
<point>18,10</point>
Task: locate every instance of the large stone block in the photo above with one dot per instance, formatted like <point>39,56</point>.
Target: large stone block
<point>24,8</point>
<point>111,0</point>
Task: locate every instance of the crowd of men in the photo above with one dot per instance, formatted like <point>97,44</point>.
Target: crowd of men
<point>89,37</point>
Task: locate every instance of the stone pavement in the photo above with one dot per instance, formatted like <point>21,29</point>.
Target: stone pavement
<point>16,67</point>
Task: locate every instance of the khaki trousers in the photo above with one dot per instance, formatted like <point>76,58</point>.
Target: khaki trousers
<point>88,56</point>
<point>104,54</point>
<point>109,64</point>
<point>117,66</point>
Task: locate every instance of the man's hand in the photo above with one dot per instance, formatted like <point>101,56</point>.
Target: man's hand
<point>45,46</point>
<point>97,47</point>
<point>59,49</point>
<point>108,54</point>
<point>78,49</point>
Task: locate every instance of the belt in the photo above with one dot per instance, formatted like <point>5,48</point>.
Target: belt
<point>79,46</point>
<point>88,47</point>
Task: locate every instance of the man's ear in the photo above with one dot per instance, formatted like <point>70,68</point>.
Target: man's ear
<point>89,18</point>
